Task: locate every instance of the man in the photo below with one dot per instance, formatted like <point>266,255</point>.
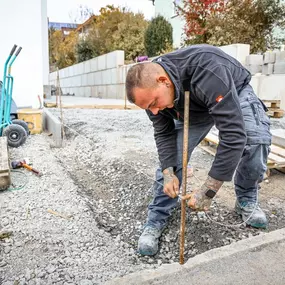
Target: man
<point>220,95</point>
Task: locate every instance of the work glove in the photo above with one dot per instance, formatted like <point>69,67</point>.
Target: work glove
<point>171,183</point>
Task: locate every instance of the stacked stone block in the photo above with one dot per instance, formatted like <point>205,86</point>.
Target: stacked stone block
<point>254,63</point>
<point>268,62</point>
<point>100,77</point>
<point>279,66</point>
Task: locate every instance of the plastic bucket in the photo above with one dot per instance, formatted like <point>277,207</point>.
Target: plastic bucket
<point>33,117</point>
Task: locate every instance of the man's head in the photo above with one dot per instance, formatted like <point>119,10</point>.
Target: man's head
<point>149,87</point>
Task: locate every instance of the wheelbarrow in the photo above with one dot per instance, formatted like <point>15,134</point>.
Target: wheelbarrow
<point>16,130</point>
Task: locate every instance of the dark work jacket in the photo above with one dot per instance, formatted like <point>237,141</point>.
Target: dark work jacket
<point>209,74</point>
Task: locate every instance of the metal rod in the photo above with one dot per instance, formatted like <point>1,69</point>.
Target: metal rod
<point>184,174</point>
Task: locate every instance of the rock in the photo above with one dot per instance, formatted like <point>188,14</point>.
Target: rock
<point>85,282</point>
<point>3,263</point>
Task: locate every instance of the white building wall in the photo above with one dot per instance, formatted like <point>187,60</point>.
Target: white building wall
<point>22,24</point>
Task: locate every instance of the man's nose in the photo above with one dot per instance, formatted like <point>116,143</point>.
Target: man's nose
<point>154,110</point>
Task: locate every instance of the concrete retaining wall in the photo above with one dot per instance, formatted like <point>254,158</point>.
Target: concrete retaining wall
<point>100,77</point>
<point>104,76</point>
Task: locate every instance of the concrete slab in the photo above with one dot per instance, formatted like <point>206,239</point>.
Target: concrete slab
<point>278,137</point>
<point>256,260</point>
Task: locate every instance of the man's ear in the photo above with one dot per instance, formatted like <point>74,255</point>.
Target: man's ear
<point>162,79</point>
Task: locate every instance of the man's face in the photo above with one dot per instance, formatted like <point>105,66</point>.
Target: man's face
<point>155,99</point>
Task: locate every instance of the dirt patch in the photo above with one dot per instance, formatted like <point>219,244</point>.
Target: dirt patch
<point>114,163</point>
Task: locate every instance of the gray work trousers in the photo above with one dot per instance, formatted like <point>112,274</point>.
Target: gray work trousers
<point>251,167</point>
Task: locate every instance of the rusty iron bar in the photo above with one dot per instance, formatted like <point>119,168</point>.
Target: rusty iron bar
<point>184,174</point>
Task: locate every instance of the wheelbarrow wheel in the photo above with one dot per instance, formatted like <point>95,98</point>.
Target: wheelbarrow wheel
<point>23,124</point>
<point>16,135</point>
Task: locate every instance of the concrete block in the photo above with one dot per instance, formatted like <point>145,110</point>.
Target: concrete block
<point>66,72</point>
<point>238,51</point>
<point>80,92</point>
<point>94,91</point>
<point>102,92</point>
<point>67,82</point>
<point>115,59</point>
<point>269,57</point>
<point>76,69</point>
<point>111,91</point>
<point>80,68</point>
<point>84,79</point>
<point>255,83</point>
<point>71,71</point>
<point>106,76</point>
<point>254,69</point>
<point>62,82</point>
<point>267,69</point>
<point>278,137</point>
<point>272,88</point>
<point>121,92</point>
<point>61,73</point>
<point>77,81</point>
<point>114,75</point>
<point>87,91</point>
<point>279,67</point>
<point>90,79</point>
<point>87,66</point>
<point>98,78</point>
<point>52,125</point>
<point>121,74</point>
<point>94,64</point>
<point>280,56</point>
<point>102,65</point>
<point>254,59</point>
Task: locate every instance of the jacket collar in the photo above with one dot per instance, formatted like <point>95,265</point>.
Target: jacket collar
<point>174,75</point>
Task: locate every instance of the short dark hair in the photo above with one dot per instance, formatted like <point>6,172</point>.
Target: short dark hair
<point>140,75</point>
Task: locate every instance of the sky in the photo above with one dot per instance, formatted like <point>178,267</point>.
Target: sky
<point>66,10</point>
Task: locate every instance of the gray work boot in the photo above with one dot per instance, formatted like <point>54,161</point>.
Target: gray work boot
<point>251,214</point>
<point>148,241</point>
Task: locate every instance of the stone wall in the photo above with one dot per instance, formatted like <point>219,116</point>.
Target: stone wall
<point>104,76</point>
<point>100,77</point>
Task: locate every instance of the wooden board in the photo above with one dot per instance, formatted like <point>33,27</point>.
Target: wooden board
<point>276,158</point>
<point>275,113</point>
<point>272,103</point>
<point>5,179</point>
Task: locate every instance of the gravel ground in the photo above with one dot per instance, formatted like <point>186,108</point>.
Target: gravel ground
<point>99,185</point>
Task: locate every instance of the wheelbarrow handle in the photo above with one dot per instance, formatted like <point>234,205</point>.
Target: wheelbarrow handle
<point>18,51</point>
<point>13,50</point>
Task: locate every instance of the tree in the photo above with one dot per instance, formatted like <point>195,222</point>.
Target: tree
<point>196,14</point>
<point>130,35</point>
<point>158,37</point>
<point>247,21</point>
<point>117,28</point>
<point>62,49</point>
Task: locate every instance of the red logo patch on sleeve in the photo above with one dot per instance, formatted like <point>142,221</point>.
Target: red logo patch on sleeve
<point>219,98</point>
